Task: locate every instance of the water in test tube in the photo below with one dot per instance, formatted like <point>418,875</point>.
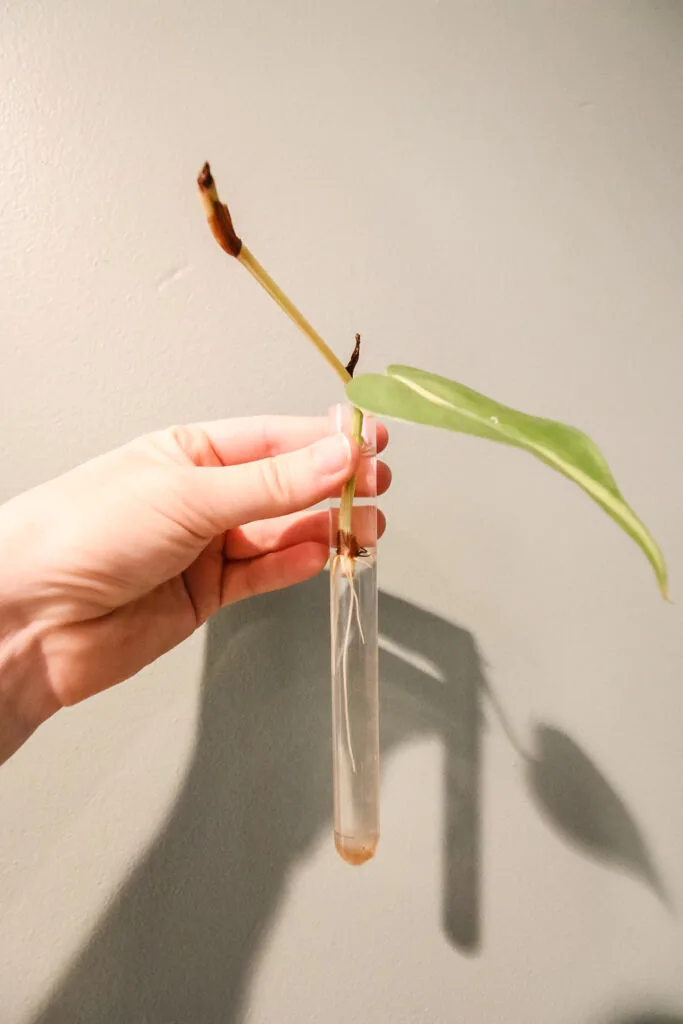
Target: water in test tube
<point>355,690</point>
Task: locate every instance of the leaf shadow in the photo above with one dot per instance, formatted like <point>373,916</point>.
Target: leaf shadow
<point>576,798</point>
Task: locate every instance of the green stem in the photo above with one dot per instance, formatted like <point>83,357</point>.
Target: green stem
<point>248,260</point>
<point>348,494</point>
<point>260,274</point>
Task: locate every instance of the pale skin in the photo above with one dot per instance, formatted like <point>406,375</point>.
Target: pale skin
<point>113,564</point>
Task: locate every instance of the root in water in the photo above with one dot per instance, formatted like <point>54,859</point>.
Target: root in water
<point>344,561</point>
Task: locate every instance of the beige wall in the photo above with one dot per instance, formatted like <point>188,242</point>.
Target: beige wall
<point>493,191</point>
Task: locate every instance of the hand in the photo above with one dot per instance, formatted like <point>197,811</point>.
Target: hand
<point>111,565</point>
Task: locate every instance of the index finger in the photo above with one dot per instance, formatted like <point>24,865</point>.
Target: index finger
<point>249,438</point>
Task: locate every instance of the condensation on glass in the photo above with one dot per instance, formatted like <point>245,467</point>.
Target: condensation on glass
<point>355,690</point>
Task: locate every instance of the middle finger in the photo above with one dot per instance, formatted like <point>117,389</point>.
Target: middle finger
<point>267,535</point>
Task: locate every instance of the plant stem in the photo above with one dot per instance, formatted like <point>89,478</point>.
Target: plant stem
<point>346,507</point>
<point>248,260</point>
<point>220,222</point>
<point>260,274</point>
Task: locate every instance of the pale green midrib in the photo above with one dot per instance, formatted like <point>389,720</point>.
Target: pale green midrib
<point>617,506</point>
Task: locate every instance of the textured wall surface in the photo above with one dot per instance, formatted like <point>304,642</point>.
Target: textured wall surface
<point>493,191</point>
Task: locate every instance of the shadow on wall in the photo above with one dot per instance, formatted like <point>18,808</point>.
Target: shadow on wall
<point>573,795</point>
<point>649,1018</point>
<point>577,799</point>
<point>181,939</point>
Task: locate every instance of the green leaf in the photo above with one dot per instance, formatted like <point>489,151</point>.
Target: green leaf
<point>417,396</point>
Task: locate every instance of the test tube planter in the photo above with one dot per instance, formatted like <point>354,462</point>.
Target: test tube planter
<point>354,656</point>
<point>353,579</point>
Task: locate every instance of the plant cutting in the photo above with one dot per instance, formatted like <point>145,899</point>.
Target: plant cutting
<point>417,396</point>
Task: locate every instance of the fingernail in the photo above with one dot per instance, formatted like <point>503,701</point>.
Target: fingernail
<point>333,454</point>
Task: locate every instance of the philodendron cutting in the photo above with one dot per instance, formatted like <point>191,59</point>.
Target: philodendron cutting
<point>424,398</point>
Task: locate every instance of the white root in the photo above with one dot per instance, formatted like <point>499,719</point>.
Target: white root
<point>348,574</point>
<point>345,675</point>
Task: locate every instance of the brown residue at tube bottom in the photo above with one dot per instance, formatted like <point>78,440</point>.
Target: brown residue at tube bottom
<point>352,851</point>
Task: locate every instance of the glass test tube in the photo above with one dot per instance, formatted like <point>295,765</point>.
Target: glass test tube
<point>355,691</point>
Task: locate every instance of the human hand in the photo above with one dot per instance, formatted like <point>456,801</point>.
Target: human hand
<point>114,563</point>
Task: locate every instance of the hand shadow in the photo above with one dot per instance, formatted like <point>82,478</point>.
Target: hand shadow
<point>180,940</point>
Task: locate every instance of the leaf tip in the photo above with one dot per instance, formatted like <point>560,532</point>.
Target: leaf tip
<point>662,575</point>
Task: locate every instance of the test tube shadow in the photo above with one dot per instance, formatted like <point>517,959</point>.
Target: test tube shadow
<point>432,674</point>
<point>181,939</point>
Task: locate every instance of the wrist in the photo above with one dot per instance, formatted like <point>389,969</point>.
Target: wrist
<point>26,698</point>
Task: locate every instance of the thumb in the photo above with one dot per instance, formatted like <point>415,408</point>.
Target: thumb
<point>276,486</point>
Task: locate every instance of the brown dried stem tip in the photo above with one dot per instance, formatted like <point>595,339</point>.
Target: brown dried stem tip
<point>355,356</point>
<point>217,214</point>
